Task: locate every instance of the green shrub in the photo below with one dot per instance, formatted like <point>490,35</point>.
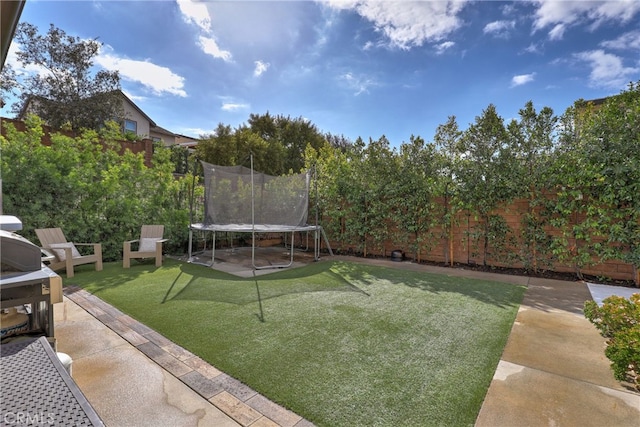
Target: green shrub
<point>618,319</point>
<point>86,187</point>
<point>624,352</point>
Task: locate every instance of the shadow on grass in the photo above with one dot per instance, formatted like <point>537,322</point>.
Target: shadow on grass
<point>317,277</point>
<point>184,281</point>
<point>112,275</point>
<point>496,293</point>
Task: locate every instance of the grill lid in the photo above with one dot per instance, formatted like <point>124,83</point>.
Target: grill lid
<point>18,254</point>
<point>10,223</point>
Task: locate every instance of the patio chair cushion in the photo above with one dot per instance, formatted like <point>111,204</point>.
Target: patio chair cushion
<point>58,249</point>
<point>148,244</point>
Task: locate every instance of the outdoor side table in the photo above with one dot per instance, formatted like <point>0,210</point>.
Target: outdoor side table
<point>37,390</point>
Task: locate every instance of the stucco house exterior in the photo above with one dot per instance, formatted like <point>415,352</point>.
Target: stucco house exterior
<point>137,121</point>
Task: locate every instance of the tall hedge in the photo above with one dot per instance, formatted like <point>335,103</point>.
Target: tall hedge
<point>579,175</point>
<point>84,186</point>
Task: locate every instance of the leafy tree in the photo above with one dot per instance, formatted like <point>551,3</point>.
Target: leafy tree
<point>181,158</point>
<point>218,148</point>
<point>377,173</point>
<point>415,211</point>
<point>448,139</point>
<point>252,143</point>
<point>66,93</point>
<point>8,83</point>
<point>295,135</point>
<point>277,144</point>
<point>572,245</point>
<point>264,125</point>
<point>340,142</point>
<point>531,143</point>
<point>292,135</point>
<point>608,177</point>
<point>345,195</point>
<point>485,182</point>
<point>334,180</point>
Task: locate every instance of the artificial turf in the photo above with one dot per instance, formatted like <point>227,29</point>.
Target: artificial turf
<point>339,343</point>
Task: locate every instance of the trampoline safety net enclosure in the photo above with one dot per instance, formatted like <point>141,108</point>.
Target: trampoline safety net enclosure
<point>238,199</point>
<point>235,195</point>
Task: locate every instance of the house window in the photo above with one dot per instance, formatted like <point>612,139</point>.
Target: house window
<point>156,139</point>
<point>130,126</point>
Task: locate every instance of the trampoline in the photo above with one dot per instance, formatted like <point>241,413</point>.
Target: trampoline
<point>239,200</point>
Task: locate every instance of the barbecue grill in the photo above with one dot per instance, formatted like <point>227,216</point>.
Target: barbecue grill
<point>28,289</point>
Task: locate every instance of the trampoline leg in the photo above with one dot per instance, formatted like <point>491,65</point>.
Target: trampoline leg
<point>326,241</point>
<point>213,249</point>
<point>292,236</point>
<point>274,266</point>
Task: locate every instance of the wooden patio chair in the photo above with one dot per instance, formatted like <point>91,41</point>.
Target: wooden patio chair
<point>149,245</point>
<point>66,253</point>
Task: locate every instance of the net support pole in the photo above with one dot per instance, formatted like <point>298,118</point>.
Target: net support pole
<point>253,220</point>
<point>191,201</point>
<point>316,235</point>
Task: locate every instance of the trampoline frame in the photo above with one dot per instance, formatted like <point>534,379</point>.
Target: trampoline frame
<point>254,229</point>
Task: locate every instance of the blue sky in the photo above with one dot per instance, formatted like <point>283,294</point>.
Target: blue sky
<point>353,68</point>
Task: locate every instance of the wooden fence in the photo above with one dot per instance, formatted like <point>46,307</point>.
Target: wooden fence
<point>456,247</point>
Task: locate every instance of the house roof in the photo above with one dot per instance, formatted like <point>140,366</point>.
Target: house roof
<point>188,144</point>
<point>190,138</point>
<point>158,129</point>
<point>597,101</point>
<point>151,122</point>
<point>10,12</point>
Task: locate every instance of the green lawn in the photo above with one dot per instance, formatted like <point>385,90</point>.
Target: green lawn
<point>341,344</point>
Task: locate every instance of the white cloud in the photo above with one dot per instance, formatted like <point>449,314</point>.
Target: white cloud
<point>196,13</point>
<point>360,84</point>
<point>210,47</point>
<point>567,13</point>
<point>196,131</point>
<point>522,79</point>
<point>231,106</point>
<point>557,32</point>
<point>533,48</point>
<point>407,24</point>
<point>158,79</point>
<point>261,67</point>
<point>368,45</point>
<point>607,70</point>
<point>442,47</point>
<point>499,28</point>
<point>508,9</point>
<point>550,13</point>
<point>630,40</point>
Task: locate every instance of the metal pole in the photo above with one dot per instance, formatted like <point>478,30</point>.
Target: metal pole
<point>253,220</point>
<point>192,196</point>
<point>318,242</point>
